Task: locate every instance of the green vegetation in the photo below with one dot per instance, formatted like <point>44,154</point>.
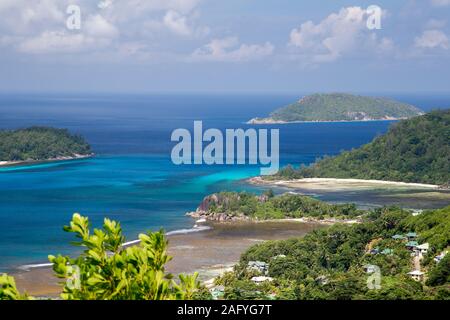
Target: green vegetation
<point>8,290</point>
<point>414,150</point>
<point>343,107</point>
<point>108,271</point>
<point>268,206</point>
<point>326,264</point>
<point>329,263</point>
<point>440,275</point>
<point>40,143</point>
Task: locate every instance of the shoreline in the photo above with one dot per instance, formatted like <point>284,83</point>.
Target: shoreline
<point>339,184</point>
<point>203,217</point>
<point>192,250</point>
<point>7,164</point>
<point>270,121</point>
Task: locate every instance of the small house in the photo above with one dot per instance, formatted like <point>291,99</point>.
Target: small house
<point>411,245</point>
<point>411,235</point>
<point>261,279</point>
<point>370,268</point>
<point>217,292</point>
<point>416,213</point>
<point>416,275</point>
<point>387,252</point>
<point>322,280</point>
<point>258,266</point>
<point>441,256</point>
<point>398,237</point>
<point>422,249</point>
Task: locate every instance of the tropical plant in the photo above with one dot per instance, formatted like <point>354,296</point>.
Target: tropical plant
<point>8,289</point>
<point>108,270</point>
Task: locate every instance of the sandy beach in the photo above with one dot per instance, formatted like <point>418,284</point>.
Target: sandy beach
<point>30,162</point>
<point>210,252</point>
<point>340,184</point>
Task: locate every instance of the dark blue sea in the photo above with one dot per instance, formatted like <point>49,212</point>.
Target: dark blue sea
<point>132,178</point>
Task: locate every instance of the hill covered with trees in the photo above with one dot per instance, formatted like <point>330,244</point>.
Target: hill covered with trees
<point>340,107</point>
<point>331,263</point>
<point>413,150</point>
<point>41,143</point>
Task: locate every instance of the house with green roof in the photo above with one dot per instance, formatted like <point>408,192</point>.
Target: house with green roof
<point>411,244</point>
<point>398,237</point>
<point>411,235</point>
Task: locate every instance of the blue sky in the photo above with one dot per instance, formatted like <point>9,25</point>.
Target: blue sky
<point>269,46</point>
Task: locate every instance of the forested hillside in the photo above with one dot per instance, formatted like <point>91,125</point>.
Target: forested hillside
<point>40,143</point>
<point>413,150</point>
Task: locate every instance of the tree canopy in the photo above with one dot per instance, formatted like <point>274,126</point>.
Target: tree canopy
<point>40,143</point>
<point>329,263</point>
<point>343,107</point>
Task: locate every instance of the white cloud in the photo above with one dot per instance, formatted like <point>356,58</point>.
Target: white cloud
<point>30,26</point>
<point>229,50</point>
<point>105,4</point>
<point>97,26</point>
<point>440,3</point>
<point>56,42</point>
<point>96,34</point>
<point>19,16</point>
<point>177,23</point>
<point>338,34</point>
<point>432,39</point>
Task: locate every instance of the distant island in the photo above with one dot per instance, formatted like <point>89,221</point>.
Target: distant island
<point>415,150</point>
<point>36,144</point>
<point>339,107</point>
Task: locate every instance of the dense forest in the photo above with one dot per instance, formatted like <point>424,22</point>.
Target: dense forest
<point>413,150</point>
<point>40,143</point>
<point>342,107</point>
<point>329,263</point>
<point>268,206</point>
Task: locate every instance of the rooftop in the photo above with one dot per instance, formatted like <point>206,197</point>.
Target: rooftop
<point>416,273</point>
<point>424,246</point>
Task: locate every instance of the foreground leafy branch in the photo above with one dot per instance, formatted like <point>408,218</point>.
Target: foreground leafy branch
<point>106,270</point>
<point>8,290</point>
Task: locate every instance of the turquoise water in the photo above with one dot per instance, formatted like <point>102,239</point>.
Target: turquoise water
<point>132,178</point>
<point>144,192</point>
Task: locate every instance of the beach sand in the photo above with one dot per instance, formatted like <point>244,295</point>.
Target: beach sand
<point>211,252</point>
<point>34,162</point>
<point>319,184</point>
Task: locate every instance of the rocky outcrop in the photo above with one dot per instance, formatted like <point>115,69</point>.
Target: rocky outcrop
<point>208,208</point>
<point>218,216</point>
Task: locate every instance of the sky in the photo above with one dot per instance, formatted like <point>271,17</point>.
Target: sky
<point>258,46</point>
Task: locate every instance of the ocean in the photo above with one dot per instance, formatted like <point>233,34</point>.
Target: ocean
<point>131,178</point>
